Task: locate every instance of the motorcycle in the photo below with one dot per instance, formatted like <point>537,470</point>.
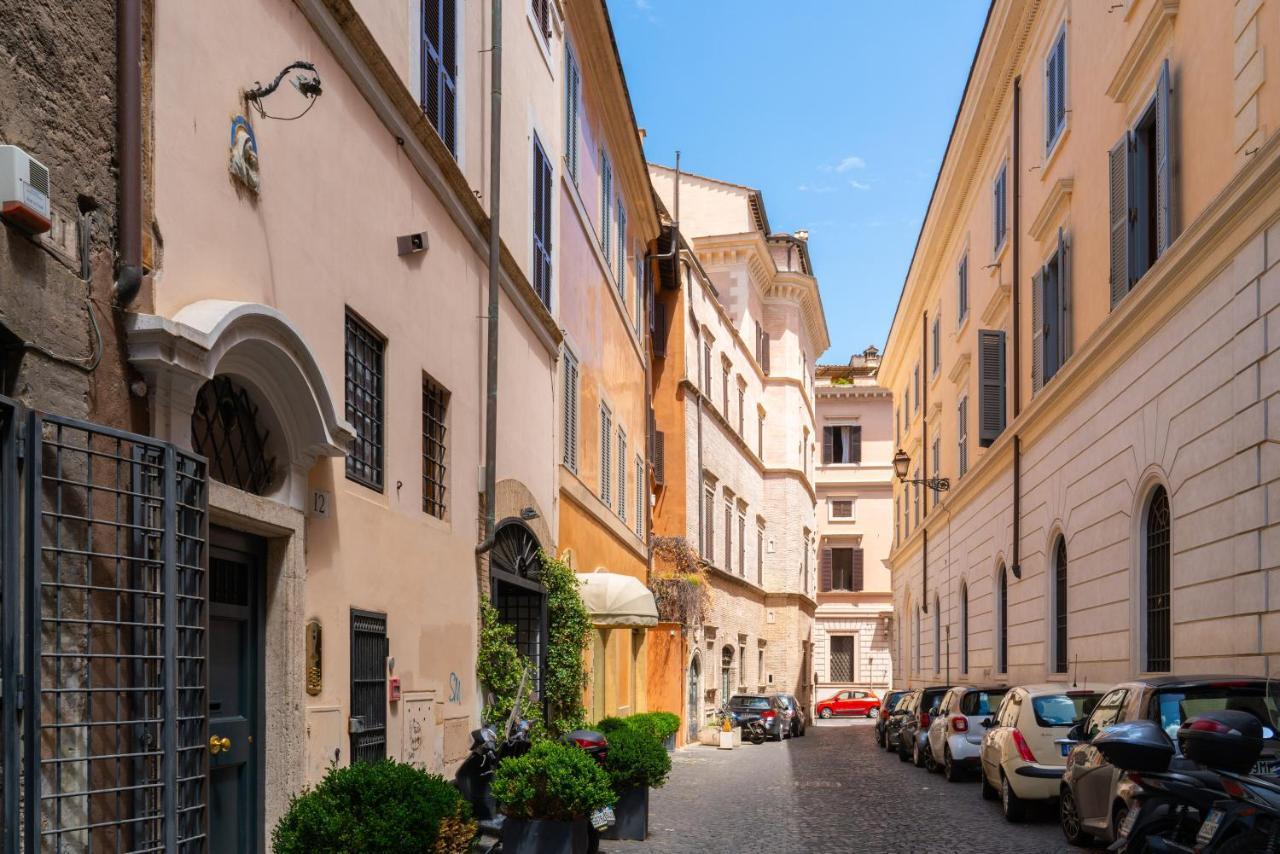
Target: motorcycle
<point>753,730</point>
<point>1248,818</point>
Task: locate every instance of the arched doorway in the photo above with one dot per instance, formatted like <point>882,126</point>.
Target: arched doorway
<point>517,592</point>
<point>693,702</point>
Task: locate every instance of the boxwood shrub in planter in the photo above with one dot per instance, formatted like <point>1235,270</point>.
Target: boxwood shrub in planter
<point>381,806</point>
<point>661,725</point>
<point>636,761</point>
<point>546,795</point>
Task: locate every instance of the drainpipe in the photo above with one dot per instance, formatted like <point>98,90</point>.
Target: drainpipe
<point>924,406</point>
<point>495,271</point>
<point>129,150</point>
<point>924,570</point>
<point>1015,286</point>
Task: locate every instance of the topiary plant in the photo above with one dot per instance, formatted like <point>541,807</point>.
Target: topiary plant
<point>381,806</point>
<point>663,725</point>
<point>609,724</point>
<point>636,758</point>
<point>551,782</point>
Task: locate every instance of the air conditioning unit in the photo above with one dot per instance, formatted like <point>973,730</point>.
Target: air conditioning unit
<point>24,190</point>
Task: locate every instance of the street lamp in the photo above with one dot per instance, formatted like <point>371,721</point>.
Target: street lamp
<point>902,462</point>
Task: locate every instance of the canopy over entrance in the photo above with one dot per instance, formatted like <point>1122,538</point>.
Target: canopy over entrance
<point>617,600</point>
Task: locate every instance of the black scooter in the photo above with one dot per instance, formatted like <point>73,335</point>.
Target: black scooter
<point>1248,818</point>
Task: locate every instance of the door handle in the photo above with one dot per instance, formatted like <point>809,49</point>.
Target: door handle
<point>219,745</point>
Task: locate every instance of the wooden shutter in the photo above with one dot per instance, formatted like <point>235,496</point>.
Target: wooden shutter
<point>659,319</point>
<point>1065,306</point>
<point>570,412</point>
<point>828,438</point>
<point>606,457</point>
<point>622,475</point>
<point>824,571</point>
<point>765,343</point>
<point>1119,165</point>
<point>659,458</point>
<point>572,91</point>
<point>1037,330</point>
<point>991,385</point>
<point>855,444</point>
<point>641,489</point>
<point>857,569</point>
<point>1164,162</point>
<point>606,207</point>
<point>621,272</point>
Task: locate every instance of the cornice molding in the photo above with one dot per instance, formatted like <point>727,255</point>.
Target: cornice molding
<point>960,367</point>
<point>1155,30</point>
<point>1001,293</point>
<point>1057,200</point>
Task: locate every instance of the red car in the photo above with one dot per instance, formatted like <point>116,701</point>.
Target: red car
<point>847,703</point>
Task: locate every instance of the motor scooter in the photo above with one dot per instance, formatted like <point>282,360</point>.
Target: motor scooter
<point>1248,818</point>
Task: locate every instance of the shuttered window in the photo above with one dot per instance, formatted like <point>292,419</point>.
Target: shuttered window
<point>999,208</point>
<point>937,465</point>
<point>760,436</point>
<point>659,331</point>
<point>742,409</point>
<point>570,395</point>
<point>622,475</point>
<point>724,388</point>
<point>659,457</point>
<point>572,108</point>
<point>842,569</point>
<point>606,208</point>
<point>639,310</point>
<point>640,496</point>
<point>439,61</point>
<point>991,386</point>
<point>842,656</point>
<point>842,508</point>
<point>606,456</point>
<point>541,223</point>
<point>1051,313</point>
<point>962,290</point>
<point>916,401</point>
<point>620,268</point>
<point>742,543</point>
<point>706,368</point>
<point>759,555</point>
<point>728,534</point>
<point>841,444</point>
<point>1055,90</point>
<point>708,522</point>
<point>962,434</point>
<point>937,344</point>
<point>542,14</point>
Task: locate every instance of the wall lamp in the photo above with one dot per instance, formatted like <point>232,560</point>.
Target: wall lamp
<point>902,462</point>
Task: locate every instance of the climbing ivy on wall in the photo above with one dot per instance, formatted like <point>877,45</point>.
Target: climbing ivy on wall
<point>569,629</point>
<point>499,666</point>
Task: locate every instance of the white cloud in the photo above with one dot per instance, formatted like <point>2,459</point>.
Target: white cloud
<point>853,161</point>
<point>858,185</point>
<point>814,188</point>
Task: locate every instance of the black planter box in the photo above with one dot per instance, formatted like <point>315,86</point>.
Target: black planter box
<point>631,815</point>
<point>526,836</point>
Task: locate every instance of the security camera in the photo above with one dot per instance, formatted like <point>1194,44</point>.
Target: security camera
<point>411,243</point>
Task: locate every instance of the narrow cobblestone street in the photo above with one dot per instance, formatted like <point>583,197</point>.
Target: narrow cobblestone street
<point>831,791</point>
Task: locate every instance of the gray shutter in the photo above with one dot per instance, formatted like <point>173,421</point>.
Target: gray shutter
<point>824,571</point>
<point>1037,330</point>
<point>827,441</point>
<point>855,444</point>
<point>857,569</point>
<point>570,412</point>
<point>1065,306</point>
<point>659,457</point>
<point>1164,162</point>
<point>1119,162</point>
<point>571,112</point>
<point>659,320</point>
<point>765,342</point>
<point>991,402</point>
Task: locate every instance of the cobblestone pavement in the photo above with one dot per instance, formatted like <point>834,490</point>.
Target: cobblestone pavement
<point>832,791</point>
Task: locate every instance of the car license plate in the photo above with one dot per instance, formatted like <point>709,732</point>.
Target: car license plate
<point>1066,748</point>
<point>1265,766</point>
<point>602,818</point>
<point>1130,819</point>
<point>1209,828</point>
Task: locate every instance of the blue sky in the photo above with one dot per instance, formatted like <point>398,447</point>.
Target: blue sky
<point>838,110</point>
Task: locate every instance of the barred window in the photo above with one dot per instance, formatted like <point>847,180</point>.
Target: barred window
<point>842,655</point>
<point>435,405</point>
<point>364,352</point>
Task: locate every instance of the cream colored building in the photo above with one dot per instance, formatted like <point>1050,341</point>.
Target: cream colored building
<point>853,620</point>
<point>1084,347</point>
<point>741,327</point>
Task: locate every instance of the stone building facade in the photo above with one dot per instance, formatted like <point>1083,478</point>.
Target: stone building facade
<point>1084,347</point>
<point>738,324</point>
<point>853,622</point>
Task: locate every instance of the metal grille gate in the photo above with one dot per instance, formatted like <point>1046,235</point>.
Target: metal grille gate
<point>369,647</point>
<point>111,566</point>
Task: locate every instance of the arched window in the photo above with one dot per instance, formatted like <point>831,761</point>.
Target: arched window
<point>964,627</point>
<point>1002,620</point>
<point>726,673</point>
<point>937,635</point>
<point>917,667</point>
<point>1060,605</point>
<point>1156,582</point>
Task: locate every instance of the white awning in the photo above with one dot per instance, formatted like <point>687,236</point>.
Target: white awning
<point>617,600</point>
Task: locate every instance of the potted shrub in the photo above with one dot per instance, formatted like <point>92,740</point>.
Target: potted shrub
<point>546,795</point>
<point>636,762</point>
<point>661,725</point>
<point>380,806</point>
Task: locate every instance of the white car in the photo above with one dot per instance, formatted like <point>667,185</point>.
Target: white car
<point>957,727</point>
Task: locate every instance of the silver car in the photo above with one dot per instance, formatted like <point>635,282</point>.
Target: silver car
<point>955,733</point>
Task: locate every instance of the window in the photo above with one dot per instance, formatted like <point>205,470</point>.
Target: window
<point>842,658</point>
<point>708,522</point>
<point>915,492</point>
<point>541,223</point>
<point>1156,583</point>
<point>759,343</point>
<point>760,555</point>
<point>1060,606</point>
<point>1002,620</point>
<point>842,444</point>
<point>542,14</point>
<point>1051,315</point>
<point>760,675</point>
<point>915,406</point>
<point>842,508</point>
<point>606,208</point>
<point>728,533</point>
<point>364,350</point>
<point>440,68</point>
<point>991,399</point>
<point>937,344</point>
<point>620,270</point>
<point>742,408</point>
<point>964,627</point>
<point>962,290</point>
<point>622,474</point>
<point>937,465</point>
<point>726,673</point>
<point>1055,91</point>
<point>999,208</point>
<point>919,643</point>
<point>937,635</point>
<point>639,312</point>
<point>706,368</point>
<point>570,393</point>
<point>640,496</point>
<point>963,434</point>
<point>435,406</point>
<point>1110,710</point>
<point>606,456</point>
<point>724,387</point>
<point>742,543</point>
<point>1142,209</point>
<point>760,436</point>
<point>906,514</point>
<point>843,569</point>
<point>572,111</point>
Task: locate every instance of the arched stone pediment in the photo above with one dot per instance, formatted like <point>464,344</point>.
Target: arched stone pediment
<point>262,350</point>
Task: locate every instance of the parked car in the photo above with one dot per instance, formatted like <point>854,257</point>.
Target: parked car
<point>1022,758</point>
<point>1095,797</point>
<point>796,720</point>
<point>913,734</point>
<point>882,718</point>
<point>957,727</point>
<point>897,717</point>
<point>849,703</point>
<point>768,708</point>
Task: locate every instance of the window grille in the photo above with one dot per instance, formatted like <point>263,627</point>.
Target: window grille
<point>435,406</point>
<point>364,380</point>
<point>368,686</point>
<point>842,653</point>
<point>964,627</point>
<point>440,68</point>
<point>1157,583</point>
<point>1002,603</point>
<point>542,14</point>
<point>515,573</point>
<point>225,429</point>
<point>1060,606</point>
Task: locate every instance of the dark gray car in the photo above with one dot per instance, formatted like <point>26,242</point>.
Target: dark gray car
<point>913,733</point>
<point>797,721</point>
<point>769,709</point>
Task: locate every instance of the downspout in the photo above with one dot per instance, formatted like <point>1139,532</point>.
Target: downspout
<point>1015,285</point>
<point>495,271</point>
<point>129,150</point>
<point>924,443</point>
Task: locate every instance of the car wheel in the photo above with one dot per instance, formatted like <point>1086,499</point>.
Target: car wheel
<point>825,713</point>
<point>871,712</point>
<point>950,769</point>
<point>902,753</point>
<point>1015,810</point>
<point>1069,818</point>
<point>1118,813</point>
<point>930,763</point>
<point>989,792</point>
